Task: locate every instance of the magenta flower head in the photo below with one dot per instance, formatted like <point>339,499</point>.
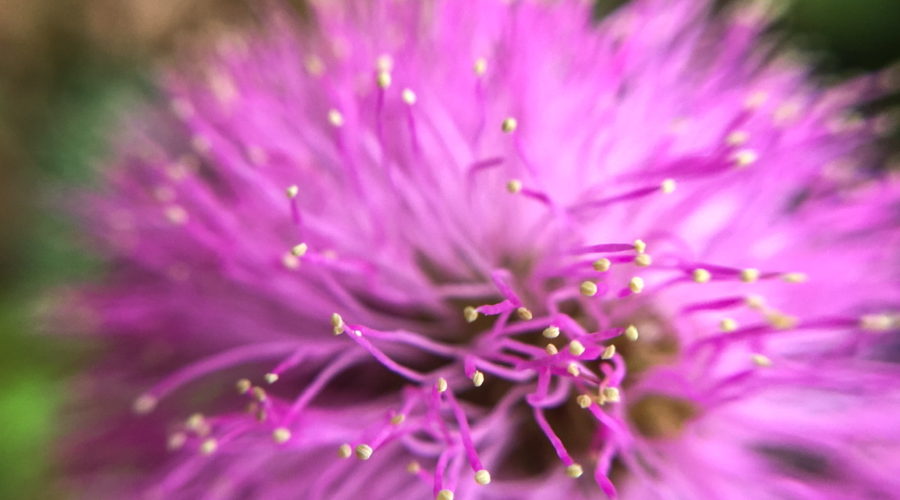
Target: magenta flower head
<point>486,249</point>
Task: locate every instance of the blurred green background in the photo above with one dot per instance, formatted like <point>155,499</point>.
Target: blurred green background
<point>66,66</point>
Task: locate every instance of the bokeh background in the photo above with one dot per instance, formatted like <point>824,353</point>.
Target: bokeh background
<point>68,66</point>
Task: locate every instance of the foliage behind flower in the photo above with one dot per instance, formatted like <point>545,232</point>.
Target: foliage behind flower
<point>528,256</point>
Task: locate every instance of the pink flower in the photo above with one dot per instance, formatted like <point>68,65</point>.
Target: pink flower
<point>494,250</point>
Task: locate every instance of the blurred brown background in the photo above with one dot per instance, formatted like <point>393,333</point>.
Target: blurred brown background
<point>66,66</point>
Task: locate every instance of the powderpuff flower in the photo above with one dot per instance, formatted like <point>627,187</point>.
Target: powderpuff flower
<point>487,249</point>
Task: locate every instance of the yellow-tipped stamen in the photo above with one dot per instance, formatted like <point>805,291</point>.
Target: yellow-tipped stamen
<point>441,384</point>
<point>445,495</point>
<point>609,352</point>
<point>483,477</point>
<point>636,284</point>
<point>409,97</point>
<point>383,79</point>
<point>470,314</point>
<point>610,395</point>
<point>573,369</point>
<point>781,321</point>
<point>398,419</point>
<point>480,66</point>
<point>509,125</point>
<point>728,325</point>
<point>602,264</point>
<point>345,451</point>
<point>876,322</point>
<point>208,447</point>
<point>737,138</point>
<point>794,277</point>
<point>271,378</point>
<point>640,246</point>
<point>744,158</point>
<point>668,186</point>
<point>299,250</point>
<point>631,333</point>
<point>176,441</point>
<point>588,288</point>
<point>335,118</point>
<point>574,471</point>
<point>551,332</point>
<point>643,260</point>
<point>292,191</point>
<point>576,348</point>
<point>749,275</point>
<point>144,404</point>
<point>756,302</point>
<point>701,275</point>
<point>551,350</point>
<point>760,360</point>
<point>514,186</point>
<point>584,400</point>
<point>243,385</point>
<point>524,313</point>
<point>337,324</point>
<point>258,393</point>
<point>477,378</point>
<point>281,435</point>
<point>364,452</point>
<point>413,467</point>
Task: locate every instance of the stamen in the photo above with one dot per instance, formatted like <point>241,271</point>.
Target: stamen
<point>524,314</point>
<point>602,264</point>
<point>383,79</point>
<point>335,118</point>
<point>551,332</point>
<point>413,467</point>
<point>781,321</point>
<point>552,350</point>
<point>643,260</point>
<point>610,395</point>
<point>176,441</point>
<point>409,97</point>
<point>588,288</point>
<point>728,325</point>
<point>271,378</point>
<point>144,404</point>
<point>299,250</point>
<point>744,158</point>
<point>441,384</point>
<point>737,138</point>
<point>292,191</point>
<point>509,125</point>
<point>344,451</point>
<point>701,275</point>
<point>477,378</point>
<point>668,186</point>
<point>794,277</point>
<point>640,246</point>
<point>208,447</point>
<point>761,360</point>
<point>398,419</point>
<point>470,314</point>
<point>445,495</point>
<point>584,400</point>
<point>749,275</point>
<point>876,322</point>
<point>514,186</point>
<point>243,386</point>
<point>631,333</point>
<point>636,285</point>
<point>483,477</point>
<point>480,66</point>
<point>281,435</point>
<point>364,452</point>
<point>573,369</point>
<point>574,471</point>
<point>337,323</point>
<point>576,348</point>
<point>755,302</point>
<point>609,352</point>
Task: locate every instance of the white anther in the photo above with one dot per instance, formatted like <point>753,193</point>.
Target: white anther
<point>470,314</point>
<point>480,66</point>
<point>509,125</point>
<point>441,384</point>
<point>514,186</point>
<point>794,277</point>
<point>584,400</point>
<point>524,313</point>
<point>602,264</point>
<point>876,322</point>
<point>445,495</point>
<point>344,451</point>
<point>292,191</point>
<point>761,360</point>
<point>631,333</point>
<point>477,378</point>
<point>383,79</point>
<point>483,477</point>
<point>701,275</point>
<point>208,447</point>
<point>640,246</point>
<point>728,325</point>
<point>636,285</point>
<point>643,260</point>
<point>281,435</point>
<point>243,385</point>
<point>299,250</point>
<point>609,352</point>
<point>551,349</point>
<point>337,324</point>
<point>409,97</point>
<point>398,419</point>
<point>737,138</point>
<point>144,404</point>
<point>749,275</point>
<point>610,395</point>
<point>668,186</point>
<point>551,332</point>
<point>573,369</point>
<point>271,378</point>
<point>574,471</point>
<point>576,348</point>
<point>335,118</point>
<point>744,158</point>
<point>588,288</point>
<point>364,452</point>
